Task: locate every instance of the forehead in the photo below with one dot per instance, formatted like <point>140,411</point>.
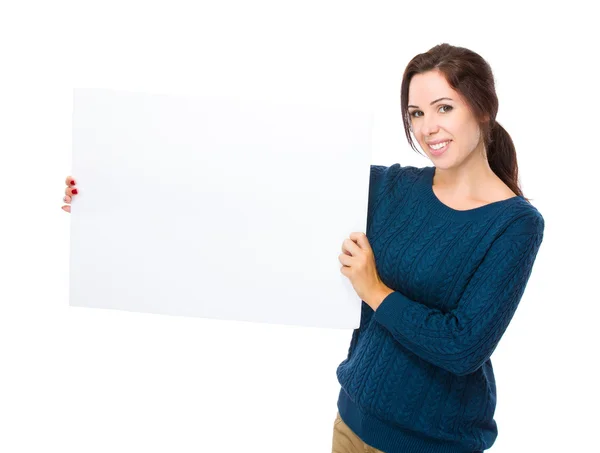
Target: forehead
<point>427,87</point>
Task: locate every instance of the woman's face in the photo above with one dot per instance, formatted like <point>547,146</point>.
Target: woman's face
<point>437,113</point>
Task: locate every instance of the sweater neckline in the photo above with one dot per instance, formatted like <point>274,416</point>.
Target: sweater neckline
<point>440,208</point>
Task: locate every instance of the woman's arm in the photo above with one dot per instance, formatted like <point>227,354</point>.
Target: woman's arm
<point>463,339</point>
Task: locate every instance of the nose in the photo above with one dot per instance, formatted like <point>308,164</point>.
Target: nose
<point>430,126</point>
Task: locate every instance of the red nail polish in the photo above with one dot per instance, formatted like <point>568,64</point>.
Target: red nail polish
<point>73,182</point>
<point>74,191</point>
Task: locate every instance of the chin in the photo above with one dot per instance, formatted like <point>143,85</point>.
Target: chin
<point>442,163</point>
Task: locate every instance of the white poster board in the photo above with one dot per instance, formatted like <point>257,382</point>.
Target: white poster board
<point>215,207</point>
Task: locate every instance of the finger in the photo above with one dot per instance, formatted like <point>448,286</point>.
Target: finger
<point>67,199</point>
<point>361,240</point>
<point>345,259</point>
<point>345,271</point>
<point>345,251</point>
<point>70,181</point>
<point>70,191</point>
<point>351,246</point>
<point>67,208</point>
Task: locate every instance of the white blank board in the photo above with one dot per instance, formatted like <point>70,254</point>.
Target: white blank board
<point>216,207</point>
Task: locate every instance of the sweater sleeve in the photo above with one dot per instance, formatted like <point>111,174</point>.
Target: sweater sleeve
<point>463,339</point>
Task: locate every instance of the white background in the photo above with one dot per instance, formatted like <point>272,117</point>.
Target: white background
<point>86,380</point>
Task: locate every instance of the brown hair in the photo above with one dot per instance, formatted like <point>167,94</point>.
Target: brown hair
<point>471,76</point>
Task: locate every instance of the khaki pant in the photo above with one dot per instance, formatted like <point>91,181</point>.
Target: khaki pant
<point>345,441</point>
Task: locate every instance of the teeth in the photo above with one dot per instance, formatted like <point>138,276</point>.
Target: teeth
<point>439,145</point>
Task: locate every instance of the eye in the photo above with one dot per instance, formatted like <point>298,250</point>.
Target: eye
<point>414,112</point>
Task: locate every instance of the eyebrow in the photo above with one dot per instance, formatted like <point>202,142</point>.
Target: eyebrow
<point>437,100</point>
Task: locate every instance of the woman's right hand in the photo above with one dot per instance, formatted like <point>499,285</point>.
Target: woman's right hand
<point>70,191</point>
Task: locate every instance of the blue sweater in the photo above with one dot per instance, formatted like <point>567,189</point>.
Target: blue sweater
<point>418,377</point>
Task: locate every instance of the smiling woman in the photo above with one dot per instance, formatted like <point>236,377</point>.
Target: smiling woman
<point>444,123</point>
<point>447,255</point>
<point>449,104</point>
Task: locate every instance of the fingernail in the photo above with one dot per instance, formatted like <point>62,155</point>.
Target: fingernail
<point>72,182</point>
<point>74,191</point>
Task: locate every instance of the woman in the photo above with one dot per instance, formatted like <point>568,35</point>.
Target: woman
<point>445,260</point>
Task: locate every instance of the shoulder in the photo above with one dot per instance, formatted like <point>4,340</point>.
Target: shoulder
<point>525,219</point>
<point>392,179</point>
<point>516,234</point>
<point>395,172</point>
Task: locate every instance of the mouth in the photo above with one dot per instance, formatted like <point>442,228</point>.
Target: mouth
<point>439,148</point>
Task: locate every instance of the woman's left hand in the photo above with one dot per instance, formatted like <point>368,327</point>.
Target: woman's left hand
<point>359,266</point>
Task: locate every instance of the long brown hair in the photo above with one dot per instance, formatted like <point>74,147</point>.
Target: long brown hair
<point>471,76</point>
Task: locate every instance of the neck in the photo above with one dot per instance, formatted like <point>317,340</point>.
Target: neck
<point>467,179</point>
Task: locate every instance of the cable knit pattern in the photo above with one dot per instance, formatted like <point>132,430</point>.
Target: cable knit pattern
<point>418,377</point>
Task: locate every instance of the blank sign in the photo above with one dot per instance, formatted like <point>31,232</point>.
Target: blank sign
<point>216,207</point>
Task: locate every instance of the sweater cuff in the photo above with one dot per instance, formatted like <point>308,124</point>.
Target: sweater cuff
<point>398,314</point>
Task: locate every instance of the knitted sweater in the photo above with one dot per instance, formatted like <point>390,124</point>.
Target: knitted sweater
<point>418,377</point>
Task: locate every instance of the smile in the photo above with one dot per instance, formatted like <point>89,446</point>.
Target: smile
<point>440,148</point>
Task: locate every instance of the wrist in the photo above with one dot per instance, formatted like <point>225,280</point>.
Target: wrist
<point>379,296</point>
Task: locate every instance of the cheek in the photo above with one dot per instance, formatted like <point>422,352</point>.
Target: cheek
<point>472,136</point>
<point>469,130</point>
<point>417,132</point>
